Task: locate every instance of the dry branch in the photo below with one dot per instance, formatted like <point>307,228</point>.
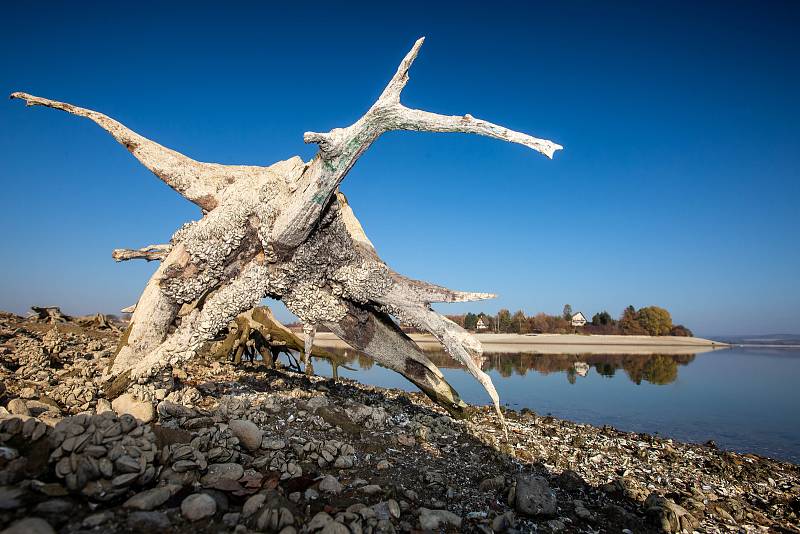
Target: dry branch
<point>149,253</point>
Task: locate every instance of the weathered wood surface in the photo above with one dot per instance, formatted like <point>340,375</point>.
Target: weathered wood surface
<point>284,231</point>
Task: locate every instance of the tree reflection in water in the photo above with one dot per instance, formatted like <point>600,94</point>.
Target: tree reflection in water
<point>659,369</point>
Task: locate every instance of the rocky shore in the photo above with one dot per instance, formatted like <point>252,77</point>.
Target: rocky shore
<point>223,448</point>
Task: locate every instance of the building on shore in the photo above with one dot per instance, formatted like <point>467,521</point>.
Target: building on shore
<point>578,319</point>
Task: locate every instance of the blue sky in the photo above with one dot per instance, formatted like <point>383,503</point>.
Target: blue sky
<point>678,184</point>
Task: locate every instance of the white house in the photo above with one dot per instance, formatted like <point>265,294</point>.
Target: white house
<point>481,325</point>
<point>578,319</point>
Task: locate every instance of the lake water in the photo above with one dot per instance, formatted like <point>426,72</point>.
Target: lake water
<point>746,399</point>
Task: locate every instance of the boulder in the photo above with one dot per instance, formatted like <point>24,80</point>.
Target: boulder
<point>198,506</point>
<point>127,403</point>
<point>534,497</point>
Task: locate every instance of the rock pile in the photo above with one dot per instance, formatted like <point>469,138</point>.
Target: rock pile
<point>103,455</point>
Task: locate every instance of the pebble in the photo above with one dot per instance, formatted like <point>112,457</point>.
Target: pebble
<point>198,506</point>
<point>18,407</point>
<point>95,520</point>
<point>252,504</point>
<point>30,525</point>
<point>103,406</point>
<point>330,484</point>
<point>436,519</point>
<point>370,489</point>
<point>217,472</point>
<point>54,507</point>
<point>152,521</point>
<point>534,496</point>
<point>248,433</point>
<point>273,444</point>
<point>150,499</point>
<point>141,410</point>
<point>11,497</point>
<point>319,521</point>
<point>231,519</point>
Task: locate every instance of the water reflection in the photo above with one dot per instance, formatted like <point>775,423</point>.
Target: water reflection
<point>658,369</point>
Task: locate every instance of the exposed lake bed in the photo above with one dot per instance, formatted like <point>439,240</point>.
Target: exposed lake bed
<point>248,448</point>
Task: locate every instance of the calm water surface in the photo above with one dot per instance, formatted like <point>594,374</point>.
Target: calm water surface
<point>745,399</point>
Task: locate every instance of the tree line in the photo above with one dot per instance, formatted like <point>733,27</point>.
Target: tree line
<point>649,320</point>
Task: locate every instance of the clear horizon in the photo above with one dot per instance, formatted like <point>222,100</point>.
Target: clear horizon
<point>677,185</point>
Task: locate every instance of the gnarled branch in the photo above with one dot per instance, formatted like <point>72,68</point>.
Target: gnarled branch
<point>149,253</point>
<point>197,181</point>
<point>341,147</point>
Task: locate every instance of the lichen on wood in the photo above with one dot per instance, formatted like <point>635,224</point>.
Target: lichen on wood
<point>285,231</point>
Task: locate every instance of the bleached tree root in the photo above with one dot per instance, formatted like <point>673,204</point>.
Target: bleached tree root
<point>284,231</point>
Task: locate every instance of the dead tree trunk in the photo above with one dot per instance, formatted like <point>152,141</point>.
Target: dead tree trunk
<point>283,231</point>
<point>49,314</point>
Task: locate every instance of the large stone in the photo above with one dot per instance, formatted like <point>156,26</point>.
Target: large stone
<point>217,472</point>
<point>371,489</point>
<point>103,406</point>
<point>127,403</point>
<point>148,521</point>
<point>253,504</point>
<point>11,497</point>
<point>30,525</point>
<point>438,519</point>
<point>316,402</point>
<point>95,520</point>
<point>54,507</point>
<point>151,499</point>
<point>668,516</point>
<point>334,527</point>
<point>534,496</point>
<point>198,506</point>
<point>18,407</point>
<point>248,433</point>
<point>330,484</point>
<point>319,521</point>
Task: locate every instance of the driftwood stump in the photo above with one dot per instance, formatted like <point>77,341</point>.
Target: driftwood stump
<point>285,232</point>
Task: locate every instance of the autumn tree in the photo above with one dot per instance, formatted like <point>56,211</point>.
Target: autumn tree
<point>680,331</point>
<point>629,322</point>
<point>654,320</point>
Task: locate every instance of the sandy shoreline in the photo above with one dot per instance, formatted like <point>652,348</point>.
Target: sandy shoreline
<point>564,343</point>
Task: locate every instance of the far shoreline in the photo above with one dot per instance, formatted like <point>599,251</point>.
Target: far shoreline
<point>564,343</point>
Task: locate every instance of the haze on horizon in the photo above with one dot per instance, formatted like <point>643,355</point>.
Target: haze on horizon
<point>677,185</point>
